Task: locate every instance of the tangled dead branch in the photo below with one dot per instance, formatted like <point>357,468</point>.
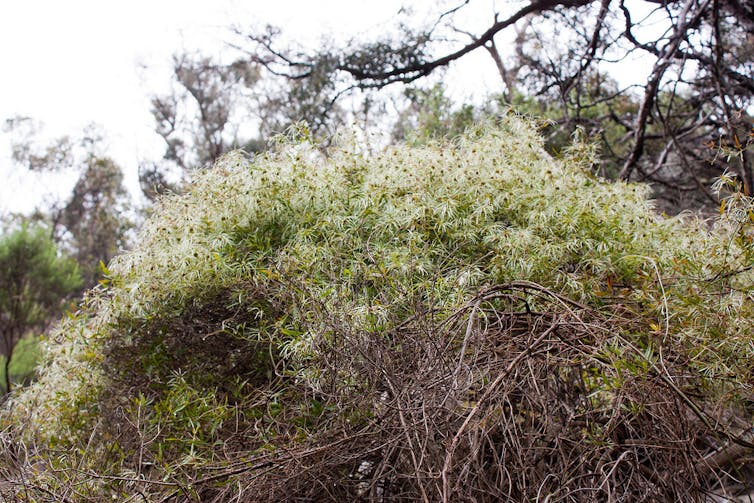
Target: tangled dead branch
<point>521,394</point>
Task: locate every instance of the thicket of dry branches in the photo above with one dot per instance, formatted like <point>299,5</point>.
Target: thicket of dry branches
<point>522,394</point>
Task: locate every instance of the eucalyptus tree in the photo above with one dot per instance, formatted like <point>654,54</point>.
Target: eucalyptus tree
<point>685,120</point>
<point>206,112</point>
<point>95,216</point>
<point>93,220</point>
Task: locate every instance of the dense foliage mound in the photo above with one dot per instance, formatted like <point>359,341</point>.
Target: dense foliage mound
<point>464,321</point>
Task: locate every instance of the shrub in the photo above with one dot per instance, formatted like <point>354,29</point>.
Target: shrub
<point>465,320</point>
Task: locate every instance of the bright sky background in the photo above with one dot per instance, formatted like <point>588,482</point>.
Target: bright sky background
<point>68,63</point>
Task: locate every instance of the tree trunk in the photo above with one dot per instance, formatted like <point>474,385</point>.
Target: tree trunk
<point>7,373</point>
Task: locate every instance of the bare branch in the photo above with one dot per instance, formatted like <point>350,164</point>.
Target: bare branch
<point>413,72</point>
<point>664,61</point>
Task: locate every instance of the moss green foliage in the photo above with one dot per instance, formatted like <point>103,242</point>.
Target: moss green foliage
<point>273,316</point>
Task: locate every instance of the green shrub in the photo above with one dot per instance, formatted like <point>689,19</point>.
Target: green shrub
<point>471,319</point>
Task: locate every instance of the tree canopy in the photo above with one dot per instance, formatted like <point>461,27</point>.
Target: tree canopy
<point>92,222</point>
<point>687,122</point>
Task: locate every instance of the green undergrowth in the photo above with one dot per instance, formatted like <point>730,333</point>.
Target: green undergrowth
<point>240,325</point>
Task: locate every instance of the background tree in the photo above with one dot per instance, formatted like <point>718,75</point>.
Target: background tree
<point>92,222</point>
<point>206,113</point>
<point>430,114</point>
<point>691,105</point>
<point>94,218</point>
<point>315,100</point>
<point>34,281</point>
